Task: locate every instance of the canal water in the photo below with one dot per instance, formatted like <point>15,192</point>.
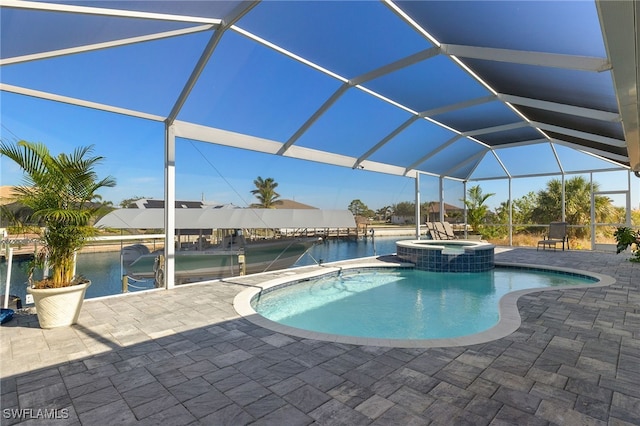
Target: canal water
<point>103,269</point>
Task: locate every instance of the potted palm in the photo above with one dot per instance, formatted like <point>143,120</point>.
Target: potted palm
<point>60,191</point>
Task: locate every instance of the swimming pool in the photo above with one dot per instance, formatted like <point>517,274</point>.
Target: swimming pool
<point>404,307</point>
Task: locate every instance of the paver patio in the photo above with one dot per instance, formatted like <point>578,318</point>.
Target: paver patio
<point>185,357</point>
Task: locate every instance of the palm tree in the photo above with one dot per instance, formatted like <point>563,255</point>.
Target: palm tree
<point>60,191</point>
<point>476,209</point>
<point>577,204</point>
<point>266,193</point>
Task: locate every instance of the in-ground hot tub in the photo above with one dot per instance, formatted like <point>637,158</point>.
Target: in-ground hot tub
<point>447,256</point>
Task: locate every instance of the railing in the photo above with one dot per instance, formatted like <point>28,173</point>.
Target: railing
<point>527,234</point>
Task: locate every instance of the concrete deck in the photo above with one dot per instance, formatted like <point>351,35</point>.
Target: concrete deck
<point>184,356</point>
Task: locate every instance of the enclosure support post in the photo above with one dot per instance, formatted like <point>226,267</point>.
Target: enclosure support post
<point>8,283</point>
<point>464,202</point>
<point>564,210</point>
<point>417,209</point>
<point>441,200</point>
<point>593,210</point>
<point>627,218</point>
<point>510,214</point>
<point>169,205</point>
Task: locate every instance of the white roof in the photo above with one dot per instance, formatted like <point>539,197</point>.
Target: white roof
<point>229,218</point>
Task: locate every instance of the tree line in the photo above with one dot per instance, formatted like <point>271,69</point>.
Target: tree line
<point>541,207</point>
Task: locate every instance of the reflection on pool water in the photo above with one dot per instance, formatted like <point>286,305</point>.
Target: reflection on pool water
<point>402,303</point>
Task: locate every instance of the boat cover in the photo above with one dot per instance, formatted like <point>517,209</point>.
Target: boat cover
<point>229,219</point>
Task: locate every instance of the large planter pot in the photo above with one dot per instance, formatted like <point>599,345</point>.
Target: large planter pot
<point>58,307</point>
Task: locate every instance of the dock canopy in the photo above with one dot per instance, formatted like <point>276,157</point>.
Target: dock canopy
<point>229,219</point>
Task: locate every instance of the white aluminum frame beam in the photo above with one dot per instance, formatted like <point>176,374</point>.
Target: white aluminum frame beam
<point>316,115</point>
<point>228,138</point>
<point>520,143</point>
<point>104,45</point>
<point>537,175</point>
<point>263,145</point>
<point>285,52</point>
<point>357,82</point>
<point>543,59</point>
<point>598,153</point>
<point>78,102</point>
<point>386,139</point>
<point>475,157</point>
<point>461,105</point>
<point>434,152</point>
<point>562,108</point>
<point>580,134</point>
<point>499,160</point>
<point>395,66</point>
<point>557,157</point>
<point>620,21</point>
<point>117,13</point>
<point>532,58</point>
<point>237,13</point>
<point>208,134</point>
<point>170,141</point>
<point>195,74</point>
<point>496,129</point>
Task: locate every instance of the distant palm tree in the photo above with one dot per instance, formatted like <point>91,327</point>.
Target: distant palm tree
<point>577,204</point>
<point>266,193</point>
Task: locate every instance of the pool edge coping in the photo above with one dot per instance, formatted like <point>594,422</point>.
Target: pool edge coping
<point>467,245</point>
<point>508,322</point>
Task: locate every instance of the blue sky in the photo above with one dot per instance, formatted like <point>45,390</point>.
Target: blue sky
<point>265,94</point>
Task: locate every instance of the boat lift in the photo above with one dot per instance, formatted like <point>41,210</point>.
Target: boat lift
<point>7,250</point>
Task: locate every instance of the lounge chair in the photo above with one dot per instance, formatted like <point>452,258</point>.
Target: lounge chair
<point>557,235</point>
<point>431,229</point>
<point>440,231</point>
<point>448,230</point>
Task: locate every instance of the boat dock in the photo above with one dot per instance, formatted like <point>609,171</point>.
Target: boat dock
<point>325,233</point>
<point>22,246</point>
<point>26,246</point>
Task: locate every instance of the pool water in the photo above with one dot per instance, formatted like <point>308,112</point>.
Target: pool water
<point>403,304</point>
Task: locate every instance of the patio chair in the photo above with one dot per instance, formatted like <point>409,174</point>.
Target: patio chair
<point>431,229</point>
<point>441,231</point>
<point>557,235</point>
<point>448,230</point>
